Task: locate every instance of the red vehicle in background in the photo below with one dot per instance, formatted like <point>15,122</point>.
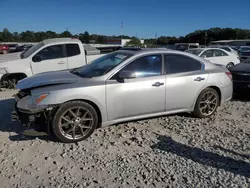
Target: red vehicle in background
<point>4,49</point>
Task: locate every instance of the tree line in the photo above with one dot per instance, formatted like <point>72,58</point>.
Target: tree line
<point>199,36</point>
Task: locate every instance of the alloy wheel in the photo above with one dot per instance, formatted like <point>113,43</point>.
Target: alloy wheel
<point>76,122</point>
<point>208,103</point>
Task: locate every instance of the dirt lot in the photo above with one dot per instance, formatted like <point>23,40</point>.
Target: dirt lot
<point>171,151</point>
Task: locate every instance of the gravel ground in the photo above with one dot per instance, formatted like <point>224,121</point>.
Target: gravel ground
<point>171,151</point>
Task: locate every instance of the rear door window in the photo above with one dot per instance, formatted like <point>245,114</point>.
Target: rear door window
<point>175,63</point>
<point>72,50</point>
<point>219,53</point>
<point>207,54</point>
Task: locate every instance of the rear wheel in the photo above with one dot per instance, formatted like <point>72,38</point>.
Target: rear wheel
<point>207,103</point>
<point>74,121</point>
<point>229,65</point>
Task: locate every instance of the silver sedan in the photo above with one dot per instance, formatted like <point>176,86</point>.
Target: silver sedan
<point>125,85</point>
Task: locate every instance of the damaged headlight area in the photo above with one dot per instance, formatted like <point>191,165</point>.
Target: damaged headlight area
<point>32,104</point>
<point>3,71</point>
<point>30,110</point>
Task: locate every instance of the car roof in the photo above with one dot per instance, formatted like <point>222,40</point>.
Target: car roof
<point>142,51</point>
<point>197,49</point>
<point>60,40</point>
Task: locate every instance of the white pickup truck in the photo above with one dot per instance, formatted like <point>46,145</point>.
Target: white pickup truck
<point>49,55</point>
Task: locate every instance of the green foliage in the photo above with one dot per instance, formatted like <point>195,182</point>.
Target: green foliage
<point>85,38</point>
<point>134,42</point>
<point>196,36</point>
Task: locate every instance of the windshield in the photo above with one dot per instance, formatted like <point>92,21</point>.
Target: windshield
<point>30,51</point>
<point>194,51</point>
<point>247,60</point>
<point>101,65</point>
<point>245,49</point>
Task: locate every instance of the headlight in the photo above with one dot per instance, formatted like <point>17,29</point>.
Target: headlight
<point>3,71</point>
<point>39,98</point>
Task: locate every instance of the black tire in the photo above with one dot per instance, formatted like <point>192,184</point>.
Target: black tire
<point>58,130</point>
<point>198,110</point>
<point>229,65</point>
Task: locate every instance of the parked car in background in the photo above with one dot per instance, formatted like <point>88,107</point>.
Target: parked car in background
<point>13,47</point>
<point>186,46</point>
<point>4,49</point>
<point>125,85</point>
<point>48,55</point>
<point>244,52</point>
<point>217,56</point>
<point>24,47</point>
<point>241,76</point>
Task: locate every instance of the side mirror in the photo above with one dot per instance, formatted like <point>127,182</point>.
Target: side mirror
<point>37,58</point>
<point>127,75</point>
<point>204,56</point>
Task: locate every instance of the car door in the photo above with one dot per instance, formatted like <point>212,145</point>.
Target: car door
<point>75,58</point>
<point>144,94</point>
<point>50,58</point>
<point>185,78</point>
<point>208,55</point>
<point>221,57</point>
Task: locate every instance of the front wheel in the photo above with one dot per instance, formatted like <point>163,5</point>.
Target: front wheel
<point>207,103</point>
<point>74,121</point>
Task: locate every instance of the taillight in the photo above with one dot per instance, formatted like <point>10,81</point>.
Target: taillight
<point>229,74</point>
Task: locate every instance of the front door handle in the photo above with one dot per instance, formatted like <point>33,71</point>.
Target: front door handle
<point>157,84</point>
<point>198,79</point>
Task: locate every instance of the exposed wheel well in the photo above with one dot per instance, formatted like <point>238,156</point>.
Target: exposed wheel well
<point>17,76</point>
<point>10,80</point>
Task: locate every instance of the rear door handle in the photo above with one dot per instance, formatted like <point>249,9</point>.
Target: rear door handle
<point>157,84</point>
<point>60,63</point>
<point>198,79</point>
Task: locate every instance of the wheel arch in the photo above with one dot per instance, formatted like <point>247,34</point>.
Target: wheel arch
<point>217,89</point>
<point>95,106</point>
<point>6,78</point>
<point>13,75</point>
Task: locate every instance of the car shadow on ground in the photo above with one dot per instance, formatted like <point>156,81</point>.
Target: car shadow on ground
<point>15,129</point>
<point>232,152</point>
<point>198,155</point>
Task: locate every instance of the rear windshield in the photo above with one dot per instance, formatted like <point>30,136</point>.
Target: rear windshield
<point>245,49</point>
<point>226,48</point>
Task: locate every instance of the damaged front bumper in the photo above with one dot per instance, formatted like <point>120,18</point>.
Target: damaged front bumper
<point>29,115</point>
<point>24,107</point>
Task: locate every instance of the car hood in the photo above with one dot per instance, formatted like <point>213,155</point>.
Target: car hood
<point>9,57</point>
<point>241,67</point>
<point>46,79</point>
